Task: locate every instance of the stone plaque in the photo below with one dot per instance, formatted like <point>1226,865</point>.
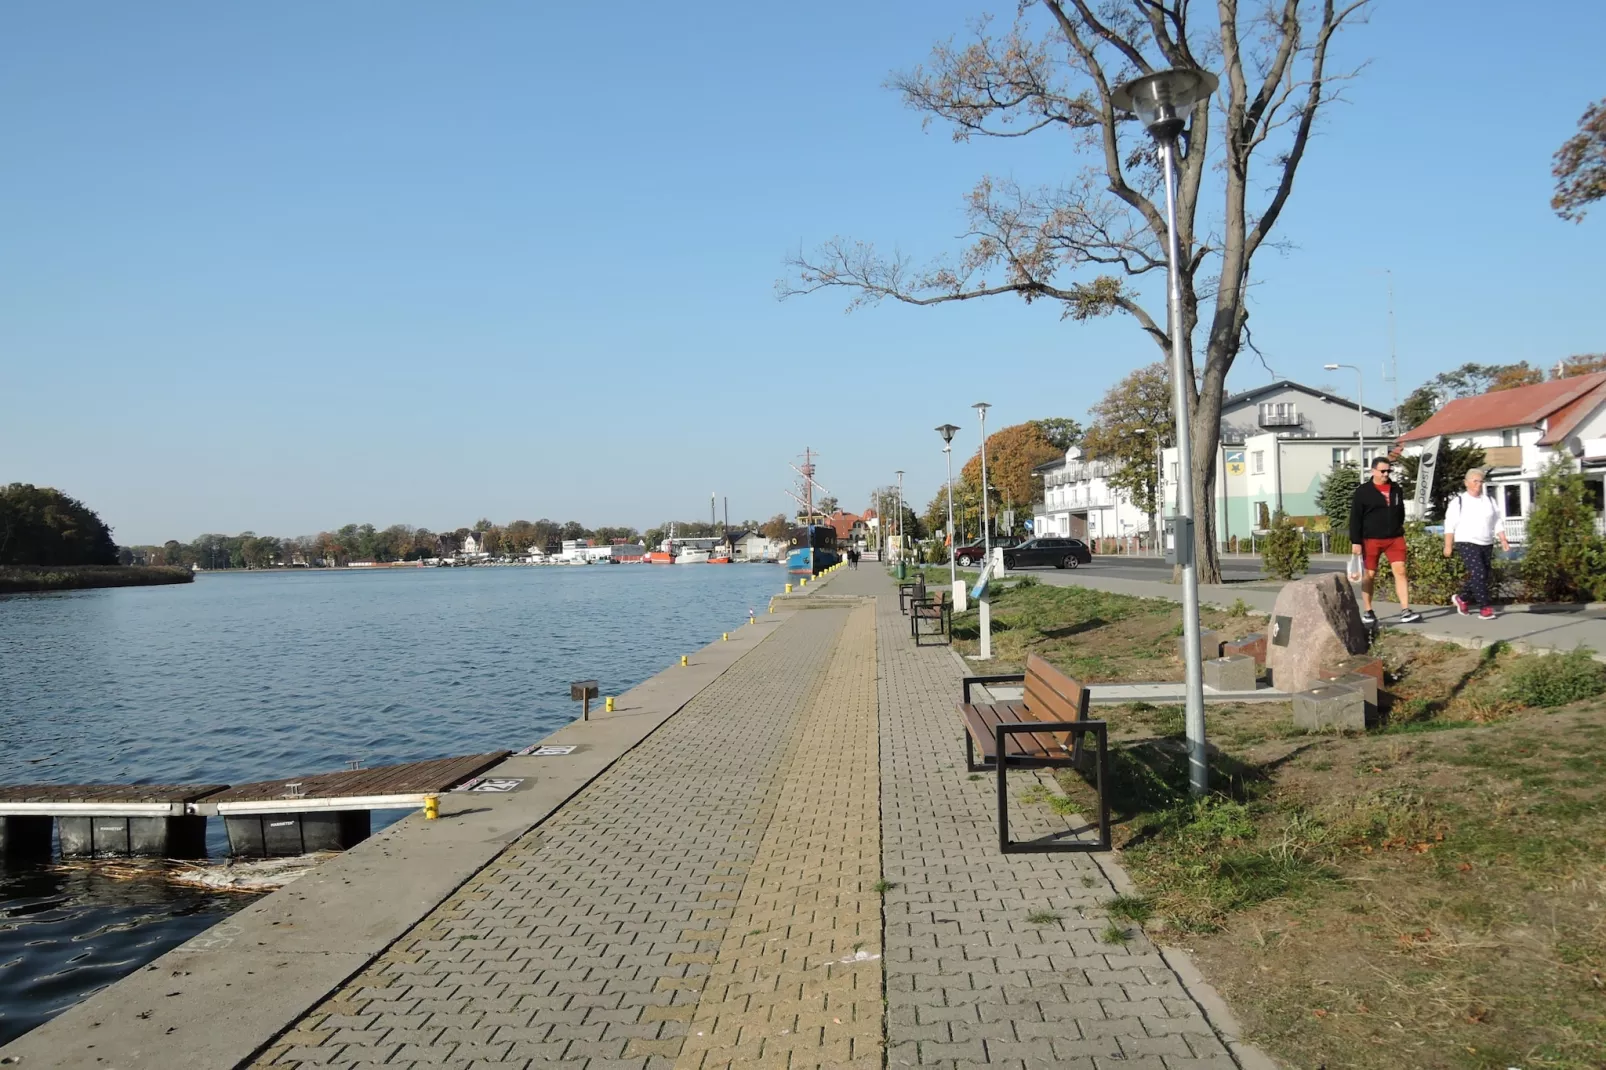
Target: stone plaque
<point>1282,629</point>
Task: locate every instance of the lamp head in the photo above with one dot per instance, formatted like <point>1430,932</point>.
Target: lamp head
<point>982,407</point>
<point>1161,100</point>
<point>1331,367</point>
<point>947,432</point>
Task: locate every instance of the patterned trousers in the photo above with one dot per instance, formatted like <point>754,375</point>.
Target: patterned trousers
<point>1475,591</point>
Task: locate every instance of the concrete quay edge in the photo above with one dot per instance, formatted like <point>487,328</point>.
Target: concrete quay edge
<point>225,995</point>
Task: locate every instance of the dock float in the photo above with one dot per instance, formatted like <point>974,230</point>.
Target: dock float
<point>288,816</point>
<point>330,811</point>
<point>105,820</point>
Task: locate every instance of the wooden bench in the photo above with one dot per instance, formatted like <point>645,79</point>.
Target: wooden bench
<point>1044,729</point>
<point>935,606</point>
<point>908,592</point>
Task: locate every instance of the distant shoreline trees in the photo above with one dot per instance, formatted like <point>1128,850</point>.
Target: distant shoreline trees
<point>43,526</point>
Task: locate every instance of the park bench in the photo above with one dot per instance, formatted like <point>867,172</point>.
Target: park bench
<point>1042,730</point>
<point>935,606</point>
<point>908,592</point>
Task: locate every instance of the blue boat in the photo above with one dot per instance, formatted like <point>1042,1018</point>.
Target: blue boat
<point>813,550</point>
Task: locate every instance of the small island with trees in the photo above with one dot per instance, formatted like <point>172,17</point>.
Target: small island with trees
<point>50,541</point>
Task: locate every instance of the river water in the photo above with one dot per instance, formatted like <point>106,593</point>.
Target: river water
<point>250,676</point>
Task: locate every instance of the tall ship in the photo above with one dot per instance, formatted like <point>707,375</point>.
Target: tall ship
<point>813,547</point>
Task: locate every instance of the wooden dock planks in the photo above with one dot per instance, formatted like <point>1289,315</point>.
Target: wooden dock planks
<point>411,778</point>
<point>79,795</point>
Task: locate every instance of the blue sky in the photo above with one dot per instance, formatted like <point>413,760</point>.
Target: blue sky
<point>284,267</point>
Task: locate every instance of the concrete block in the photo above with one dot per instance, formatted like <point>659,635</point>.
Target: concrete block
<point>1361,663</point>
<point>1330,706</point>
<point>1253,646</point>
<point>1365,684</point>
<point>1233,672</point>
<point>1209,645</point>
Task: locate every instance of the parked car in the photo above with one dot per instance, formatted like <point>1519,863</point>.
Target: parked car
<point>1048,550</point>
<point>976,551</point>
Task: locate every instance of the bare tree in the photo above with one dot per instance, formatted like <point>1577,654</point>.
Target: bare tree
<point>1087,241</point>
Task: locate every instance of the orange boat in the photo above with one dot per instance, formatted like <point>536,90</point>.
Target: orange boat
<point>722,559</point>
<point>658,557</point>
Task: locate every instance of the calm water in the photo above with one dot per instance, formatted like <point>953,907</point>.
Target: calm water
<point>258,675</point>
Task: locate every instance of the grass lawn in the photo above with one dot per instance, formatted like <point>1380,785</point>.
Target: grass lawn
<point>1429,894</point>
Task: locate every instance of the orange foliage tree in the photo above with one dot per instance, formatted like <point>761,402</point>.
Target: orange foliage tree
<point>1012,453</point>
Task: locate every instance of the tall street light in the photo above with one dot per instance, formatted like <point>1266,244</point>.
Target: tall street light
<point>900,515</point>
<point>1360,413</point>
<point>1160,101</point>
<point>947,431</point>
<point>986,526</point>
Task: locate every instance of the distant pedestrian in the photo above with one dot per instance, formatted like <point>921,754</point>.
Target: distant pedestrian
<point>1472,523</point>
<point>1376,530</point>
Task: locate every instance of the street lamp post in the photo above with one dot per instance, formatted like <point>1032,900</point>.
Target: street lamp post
<point>947,431</point>
<point>981,407</point>
<point>900,515</point>
<point>1360,413</point>
<point>1160,101</point>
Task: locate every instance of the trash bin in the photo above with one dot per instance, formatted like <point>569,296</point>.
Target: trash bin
<point>901,570</point>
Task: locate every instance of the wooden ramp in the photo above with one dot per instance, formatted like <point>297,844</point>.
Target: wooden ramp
<point>382,787</point>
<point>121,800</point>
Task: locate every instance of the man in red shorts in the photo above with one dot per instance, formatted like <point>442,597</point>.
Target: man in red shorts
<point>1377,529</point>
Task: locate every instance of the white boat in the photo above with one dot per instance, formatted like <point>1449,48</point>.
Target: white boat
<point>688,555</point>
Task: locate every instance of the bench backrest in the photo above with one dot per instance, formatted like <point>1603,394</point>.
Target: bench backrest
<point>1051,695</point>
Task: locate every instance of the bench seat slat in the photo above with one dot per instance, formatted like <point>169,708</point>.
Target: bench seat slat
<point>981,720</point>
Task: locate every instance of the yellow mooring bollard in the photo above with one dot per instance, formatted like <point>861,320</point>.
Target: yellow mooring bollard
<point>683,661</point>
<point>789,588</point>
<point>607,704</point>
<point>432,807</point>
<point>724,636</point>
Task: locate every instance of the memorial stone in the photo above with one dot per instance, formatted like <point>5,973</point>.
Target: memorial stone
<point>1315,623</point>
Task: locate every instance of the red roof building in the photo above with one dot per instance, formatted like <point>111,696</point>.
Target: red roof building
<point>1521,431</point>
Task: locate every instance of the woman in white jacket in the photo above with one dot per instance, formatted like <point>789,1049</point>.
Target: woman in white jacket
<point>1471,524</point>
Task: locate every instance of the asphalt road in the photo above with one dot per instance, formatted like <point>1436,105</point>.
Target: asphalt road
<point>1233,569</point>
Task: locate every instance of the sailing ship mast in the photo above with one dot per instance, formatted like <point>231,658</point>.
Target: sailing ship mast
<point>804,496</point>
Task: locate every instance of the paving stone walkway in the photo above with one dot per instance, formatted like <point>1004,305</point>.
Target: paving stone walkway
<point>713,900</point>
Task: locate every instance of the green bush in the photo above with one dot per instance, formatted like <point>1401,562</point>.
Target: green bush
<point>1286,555</point>
<point>1563,559</point>
<point>1434,577</point>
<point>1555,679</point>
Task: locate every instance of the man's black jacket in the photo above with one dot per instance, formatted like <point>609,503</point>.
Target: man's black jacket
<point>1376,512</point>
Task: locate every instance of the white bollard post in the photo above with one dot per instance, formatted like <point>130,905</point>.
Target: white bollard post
<point>959,596</point>
<point>986,608</point>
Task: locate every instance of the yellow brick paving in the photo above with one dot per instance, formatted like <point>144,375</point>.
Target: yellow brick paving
<point>797,979</point>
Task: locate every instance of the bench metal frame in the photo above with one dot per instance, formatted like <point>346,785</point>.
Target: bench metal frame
<point>1003,762</point>
<point>944,616</point>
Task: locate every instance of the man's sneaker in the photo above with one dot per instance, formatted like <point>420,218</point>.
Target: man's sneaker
<point>1368,618</point>
<point>1488,613</point>
<point>1460,604</point>
<point>1410,617</point>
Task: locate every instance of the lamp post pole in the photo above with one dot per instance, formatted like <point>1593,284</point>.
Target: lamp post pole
<point>1360,413</point>
<point>947,432</point>
<point>900,515</point>
<point>986,524</point>
<point>1160,101</point>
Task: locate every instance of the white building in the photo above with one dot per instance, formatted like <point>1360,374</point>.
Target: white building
<point>1521,431</point>
<point>1278,443</point>
<point>1079,501</point>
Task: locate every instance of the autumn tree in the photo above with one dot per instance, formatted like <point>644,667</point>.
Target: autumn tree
<point>1012,453</point>
<point>1131,424</point>
<point>1582,364</point>
<point>1514,375</point>
<point>1092,241</point>
<point>777,528</point>
<point>1580,166</point>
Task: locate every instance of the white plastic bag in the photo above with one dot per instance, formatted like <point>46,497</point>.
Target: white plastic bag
<point>1357,569</point>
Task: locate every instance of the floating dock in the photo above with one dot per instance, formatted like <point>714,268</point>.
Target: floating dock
<point>105,820</point>
<point>289,816</point>
<point>330,811</point>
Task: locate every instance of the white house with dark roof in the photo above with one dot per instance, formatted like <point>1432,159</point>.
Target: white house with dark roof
<point>1278,443</point>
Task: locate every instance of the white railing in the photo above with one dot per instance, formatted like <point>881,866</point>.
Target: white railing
<point>1516,528</point>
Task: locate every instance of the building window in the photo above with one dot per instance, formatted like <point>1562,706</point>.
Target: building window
<point>1173,471</point>
<point>1513,499</point>
<point>1258,462</point>
<point>1340,455</point>
<point>1508,437</point>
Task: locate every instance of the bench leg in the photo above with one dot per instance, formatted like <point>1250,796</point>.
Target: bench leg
<point>1003,799</point>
